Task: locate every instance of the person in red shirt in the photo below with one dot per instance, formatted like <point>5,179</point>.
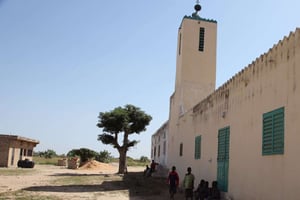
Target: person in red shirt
<point>153,166</point>
<point>173,180</point>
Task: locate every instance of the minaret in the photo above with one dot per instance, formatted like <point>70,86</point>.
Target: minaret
<point>195,78</point>
<point>196,62</point>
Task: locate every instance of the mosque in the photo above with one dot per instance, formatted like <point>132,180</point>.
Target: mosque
<point>243,134</point>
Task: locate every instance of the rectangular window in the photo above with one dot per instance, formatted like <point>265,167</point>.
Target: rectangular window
<point>152,153</point>
<point>12,156</point>
<point>198,147</point>
<point>21,154</point>
<point>273,132</point>
<point>29,152</point>
<point>181,149</point>
<point>201,39</point>
<point>164,148</point>
<point>158,150</point>
<point>179,50</point>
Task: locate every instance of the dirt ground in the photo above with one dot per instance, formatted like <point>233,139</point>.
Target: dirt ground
<point>95,181</point>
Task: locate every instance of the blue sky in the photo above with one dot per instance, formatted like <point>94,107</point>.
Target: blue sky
<point>63,62</point>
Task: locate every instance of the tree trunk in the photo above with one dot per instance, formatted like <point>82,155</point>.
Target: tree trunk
<point>122,161</point>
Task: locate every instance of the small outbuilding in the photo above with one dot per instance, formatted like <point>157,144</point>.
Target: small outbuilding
<point>14,148</point>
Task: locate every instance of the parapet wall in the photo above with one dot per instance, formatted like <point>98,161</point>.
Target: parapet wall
<point>252,80</point>
<point>270,82</point>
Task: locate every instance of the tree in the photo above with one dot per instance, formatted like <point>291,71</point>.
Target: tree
<point>144,159</point>
<point>84,154</point>
<point>125,120</point>
<point>104,156</point>
<point>48,154</point>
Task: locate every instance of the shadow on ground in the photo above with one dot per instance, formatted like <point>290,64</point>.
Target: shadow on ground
<point>105,186</point>
<point>134,182</point>
<point>76,174</point>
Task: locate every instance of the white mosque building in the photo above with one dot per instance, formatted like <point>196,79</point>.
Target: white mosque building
<point>244,134</point>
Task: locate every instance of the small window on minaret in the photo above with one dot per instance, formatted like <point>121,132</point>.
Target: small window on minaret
<point>201,39</point>
<point>181,110</point>
<point>179,50</point>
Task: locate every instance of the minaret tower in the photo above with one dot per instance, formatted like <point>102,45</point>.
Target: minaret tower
<point>195,79</point>
<point>196,62</point>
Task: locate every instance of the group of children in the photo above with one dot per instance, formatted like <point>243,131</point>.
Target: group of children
<point>203,192</point>
<point>149,170</point>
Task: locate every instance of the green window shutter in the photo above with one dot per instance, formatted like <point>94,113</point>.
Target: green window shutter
<point>223,144</point>
<point>198,147</point>
<point>267,135</point>
<point>223,158</point>
<point>227,143</point>
<point>278,138</point>
<point>273,132</point>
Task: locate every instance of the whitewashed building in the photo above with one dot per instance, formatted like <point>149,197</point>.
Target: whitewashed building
<point>243,134</point>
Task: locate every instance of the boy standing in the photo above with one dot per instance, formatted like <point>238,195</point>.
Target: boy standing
<point>188,183</point>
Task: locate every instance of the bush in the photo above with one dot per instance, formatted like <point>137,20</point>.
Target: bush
<point>144,159</point>
<point>46,161</point>
<point>84,154</point>
<point>135,162</point>
<point>46,154</point>
<point>104,156</point>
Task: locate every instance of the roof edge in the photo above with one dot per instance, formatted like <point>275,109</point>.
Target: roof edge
<point>197,17</point>
<point>16,137</point>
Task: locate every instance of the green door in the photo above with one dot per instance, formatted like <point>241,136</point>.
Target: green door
<point>223,158</point>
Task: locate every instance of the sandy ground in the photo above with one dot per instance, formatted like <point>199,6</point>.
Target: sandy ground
<point>44,173</point>
<point>41,183</point>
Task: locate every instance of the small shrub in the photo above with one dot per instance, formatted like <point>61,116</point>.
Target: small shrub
<point>84,154</point>
<point>104,156</point>
<point>144,159</point>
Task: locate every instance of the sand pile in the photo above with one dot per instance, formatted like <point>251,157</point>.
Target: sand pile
<point>95,165</point>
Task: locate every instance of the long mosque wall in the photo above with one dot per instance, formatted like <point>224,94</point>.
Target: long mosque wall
<point>270,82</point>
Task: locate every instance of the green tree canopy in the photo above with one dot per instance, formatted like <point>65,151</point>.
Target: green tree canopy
<point>127,120</point>
<point>47,154</point>
<point>84,154</point>
<point>144,159</point>
<point>104,156</point>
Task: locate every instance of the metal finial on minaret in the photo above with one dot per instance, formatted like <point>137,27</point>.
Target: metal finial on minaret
<point>197,8</point>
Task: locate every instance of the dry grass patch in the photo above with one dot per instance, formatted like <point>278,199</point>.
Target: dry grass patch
<point>16,171</point>
<point>25,195</point>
